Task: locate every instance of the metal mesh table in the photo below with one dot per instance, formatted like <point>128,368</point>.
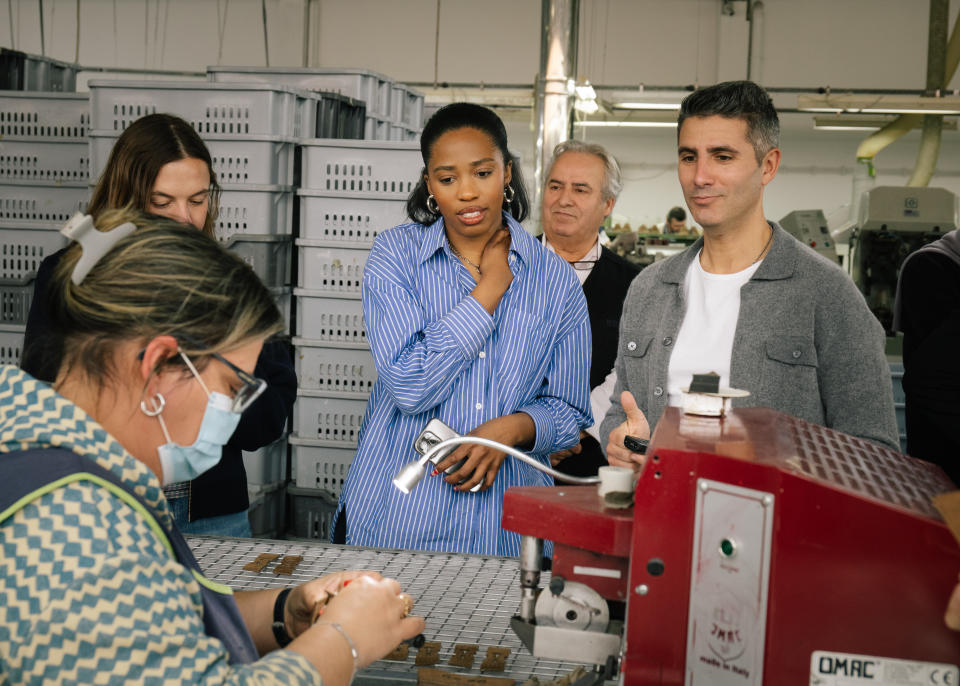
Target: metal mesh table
<point>464,598</point>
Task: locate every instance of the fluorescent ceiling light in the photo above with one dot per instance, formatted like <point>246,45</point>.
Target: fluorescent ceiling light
<point>856,123</point>
<point>585,92</point>
<point>638,124</point>
<point>878,104</point>
<point>586,106</point>
<point>658,106</point>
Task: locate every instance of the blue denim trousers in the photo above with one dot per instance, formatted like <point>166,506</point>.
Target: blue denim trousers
<point>234,524</point>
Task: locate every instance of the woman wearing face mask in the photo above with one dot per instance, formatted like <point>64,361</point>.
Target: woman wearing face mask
<point>470,321</point>
<point>159,165</point>
<point>161,328</point>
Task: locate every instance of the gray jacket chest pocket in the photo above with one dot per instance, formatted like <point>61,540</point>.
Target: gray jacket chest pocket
<point>634,346</point>
<point>792,350</point>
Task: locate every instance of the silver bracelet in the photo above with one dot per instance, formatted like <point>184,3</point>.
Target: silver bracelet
<point>353,647</point>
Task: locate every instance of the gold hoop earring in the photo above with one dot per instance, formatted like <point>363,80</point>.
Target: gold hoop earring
<point>508,197</point>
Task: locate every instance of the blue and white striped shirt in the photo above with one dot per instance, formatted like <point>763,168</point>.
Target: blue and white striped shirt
<point>439,353</point>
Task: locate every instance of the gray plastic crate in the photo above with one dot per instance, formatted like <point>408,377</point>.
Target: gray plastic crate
<point>339,116</point>
<point>44,115</point>
<point>22,251</point>
<point>44,161</point>
<point>398,98</point>
<point>26,72</point>
<point>252,160</point>
<point>349,221</point>
<point>329,320</point>
<point>413,109</point>
<point>266,465</point>
<point>398,132</point>
<point>234,109</point>
<point>269,256</point>
<point>283,297</point>
<point>38,205</point>
<point>254,210</point>
<point>15,303</point>
<point>318,466</point>
<point>267,513</point>
<point>376,128</point>
<point>11,343</point>
<point>386,168</point>
<point>335,270</point>
<point>335,421</point>
<point>339,372</point>
<point>311,513</point>
<point>372,88</point>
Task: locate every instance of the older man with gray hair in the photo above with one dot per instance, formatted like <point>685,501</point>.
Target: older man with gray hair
<point>579,193</point>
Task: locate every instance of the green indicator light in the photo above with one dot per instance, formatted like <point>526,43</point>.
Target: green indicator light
<point>727,547</point>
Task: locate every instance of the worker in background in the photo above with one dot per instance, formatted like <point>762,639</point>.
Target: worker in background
<point>927,310</point>
<point>160,165</point>
<point>580,191</point>
<point>676,221</point>
<point>746,300</point>
<point>473,322</point>
<point>161,328</point>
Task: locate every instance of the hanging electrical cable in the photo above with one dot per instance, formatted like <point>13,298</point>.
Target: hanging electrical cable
<point>221,28</point>
<point>43,47</point>
<point>266,45</point>
<point>146,26</point>
<point>163,33</point>
<point>13,42</point>
<point>76,43</point>
<point>156,28</point>
<point>116,58</point>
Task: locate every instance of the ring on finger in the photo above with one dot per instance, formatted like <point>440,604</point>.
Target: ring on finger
<point>407,603</point>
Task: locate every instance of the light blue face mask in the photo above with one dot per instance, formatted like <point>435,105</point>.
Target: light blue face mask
<point>187,462</point>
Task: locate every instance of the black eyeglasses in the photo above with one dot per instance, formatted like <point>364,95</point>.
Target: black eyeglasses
<point>252,387</point>
<point>583,265</point>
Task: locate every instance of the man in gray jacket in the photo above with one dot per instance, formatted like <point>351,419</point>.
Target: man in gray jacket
<point>747,300</point>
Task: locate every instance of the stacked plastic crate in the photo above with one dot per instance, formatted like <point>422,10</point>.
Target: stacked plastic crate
<point>43,181</point>
<point>394,111</point>
<point>350,191</point>
<point>251,131</point>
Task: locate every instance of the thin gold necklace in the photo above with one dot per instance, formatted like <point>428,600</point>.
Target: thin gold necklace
<point>766,245</point>
<point>456,252</point>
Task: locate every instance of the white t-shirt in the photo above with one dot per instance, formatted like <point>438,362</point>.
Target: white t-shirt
<point>705,340</point>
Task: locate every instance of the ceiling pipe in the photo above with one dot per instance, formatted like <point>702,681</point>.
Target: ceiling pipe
<point>929,151</point>
<point>877,141</point>
<point>560,21</point>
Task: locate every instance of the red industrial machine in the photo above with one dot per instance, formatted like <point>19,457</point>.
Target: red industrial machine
<point>760,549</point>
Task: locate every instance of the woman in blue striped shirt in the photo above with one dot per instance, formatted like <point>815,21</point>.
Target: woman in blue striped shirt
<point>470,321</point>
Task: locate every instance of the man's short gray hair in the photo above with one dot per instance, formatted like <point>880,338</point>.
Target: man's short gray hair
<point>612,183</point>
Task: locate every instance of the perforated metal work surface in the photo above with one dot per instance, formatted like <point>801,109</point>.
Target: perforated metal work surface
<point>464,598</point>
<point>867,468</point>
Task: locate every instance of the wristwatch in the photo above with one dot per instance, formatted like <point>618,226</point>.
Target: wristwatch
<point>279,626</point>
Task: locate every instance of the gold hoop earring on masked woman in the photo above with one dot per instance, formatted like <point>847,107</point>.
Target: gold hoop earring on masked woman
<point>508,194</point>
<point>432,206</point>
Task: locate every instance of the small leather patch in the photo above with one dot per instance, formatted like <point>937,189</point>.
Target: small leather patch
<point>429,653</point>
<point>496,659</point>
<point>463,655</point>
<point>258,565</point>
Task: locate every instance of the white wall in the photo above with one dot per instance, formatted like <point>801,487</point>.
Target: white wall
<point>838,43</point>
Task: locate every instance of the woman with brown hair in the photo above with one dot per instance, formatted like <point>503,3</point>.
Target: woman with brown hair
<point>159,165</point>
<point>161,329</point>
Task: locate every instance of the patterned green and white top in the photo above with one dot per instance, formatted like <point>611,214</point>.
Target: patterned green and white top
<point>89,589</point>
